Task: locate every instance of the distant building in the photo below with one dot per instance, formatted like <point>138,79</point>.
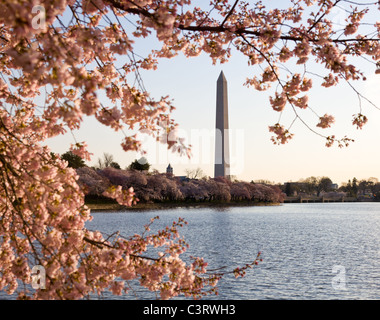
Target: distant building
<point>334,186</point>
<point>169,169</point>
<point>169,172</point>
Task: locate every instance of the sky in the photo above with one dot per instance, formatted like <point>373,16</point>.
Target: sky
<point>191,84</point>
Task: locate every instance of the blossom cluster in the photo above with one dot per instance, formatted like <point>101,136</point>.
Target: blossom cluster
<point>64,60</point>
<point>43,223</point>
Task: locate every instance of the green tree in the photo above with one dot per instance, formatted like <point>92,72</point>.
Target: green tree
<point>373,184</point>
<point>324,184</point>
<point>310,185</point>
<point>351,188</point>
<point>354,188</point>
<point>141,165</point>
<point>73,160</point>
<point>376,191</point>
<point>289,189</point>
<point>115,165</point>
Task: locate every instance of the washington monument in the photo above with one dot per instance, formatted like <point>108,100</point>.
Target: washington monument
<point>222,151</point>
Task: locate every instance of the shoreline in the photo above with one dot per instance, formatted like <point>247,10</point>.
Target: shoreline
<point>99,207</point>
<point>107,206</point>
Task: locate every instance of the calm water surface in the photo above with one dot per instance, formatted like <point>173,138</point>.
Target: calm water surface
<point>310,251</point>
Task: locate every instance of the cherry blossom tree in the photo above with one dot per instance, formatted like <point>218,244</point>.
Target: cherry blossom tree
<point>194,191</point>
<point>59,58</point>
<point>115,176</point>
<point>137,178</point>
<point>91,182</point>
<point>217,190</point>
<point>172,191</point>
<point>239,192</point>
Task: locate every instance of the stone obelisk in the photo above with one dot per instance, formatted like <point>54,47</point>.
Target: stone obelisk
<point>222,152</point>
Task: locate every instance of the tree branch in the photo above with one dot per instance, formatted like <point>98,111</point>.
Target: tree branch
<point>221,28</point>
<point>100,244</point>
<point>138,10</point>
<point>229,13</point>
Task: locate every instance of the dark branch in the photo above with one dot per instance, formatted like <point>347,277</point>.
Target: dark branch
<point>101,244</point>
<point>221,28</point>
<point>229,13</point>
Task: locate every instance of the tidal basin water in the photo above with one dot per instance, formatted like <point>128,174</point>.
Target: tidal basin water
<point>310,251</point>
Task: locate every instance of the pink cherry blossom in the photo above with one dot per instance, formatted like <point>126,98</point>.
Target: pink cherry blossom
<point>325,121</point>
<point>360,120</point>
<point>79,60</point>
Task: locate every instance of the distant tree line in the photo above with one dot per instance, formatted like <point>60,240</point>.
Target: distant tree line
<point>311,185</point>
<point>160,187</point>
<point>366,188</point>
<point>363,188</point>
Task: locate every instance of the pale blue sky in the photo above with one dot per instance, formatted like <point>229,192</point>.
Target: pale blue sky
<point>191,83</point>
